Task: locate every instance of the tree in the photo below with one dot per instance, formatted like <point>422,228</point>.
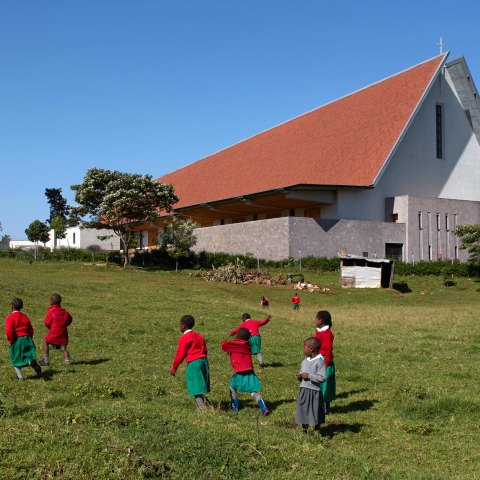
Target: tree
<point>37,232</point>
<point>5,239</point>
<point>178,239</point>
<point>58,205</point>
<point>59,226</point>
<point>121,201</point>
<point>470,238</point>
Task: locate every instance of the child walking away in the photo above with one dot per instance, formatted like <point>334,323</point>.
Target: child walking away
<point>57,321</point>
<point>244,378</point>
<point>265,302</point>
<point>19,332</point>
<point>192,346</point>
<point>296,302</point>
<point>255,340</point>
<point>310,410</point>
<point>324,333</point>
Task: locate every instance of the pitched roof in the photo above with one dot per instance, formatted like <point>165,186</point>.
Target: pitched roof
<point>344,143</point>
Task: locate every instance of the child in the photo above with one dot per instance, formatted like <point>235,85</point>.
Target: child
<point>264,302</point>
<point>243,378</point>
<point>192,346</point>
<point>323,321</point>
<point>19,332</point>
<point>296,302</point>
<point>57,320</point>
<point>255,340</point>
<point>310,399</point>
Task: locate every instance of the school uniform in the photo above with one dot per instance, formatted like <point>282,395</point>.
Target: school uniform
<point>310,409</point>
<point>253,327</point>
<point>57,320</point>
<point>326,337</point>
<point>19,332</point>
<point>192,347</point>
<point>243,378</point>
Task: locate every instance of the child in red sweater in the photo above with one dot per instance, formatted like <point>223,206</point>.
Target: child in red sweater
<point>243,378</point>
<point>255,340</point>
<point>192,346</point>
<point>57,320</point>
<point>296,302</point>
<point>19,332</point>
<point>323,321</point>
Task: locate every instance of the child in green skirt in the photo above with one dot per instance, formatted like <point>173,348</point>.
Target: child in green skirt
<point>192,347</point>
<point>19,332</point>
<point>243,378</point>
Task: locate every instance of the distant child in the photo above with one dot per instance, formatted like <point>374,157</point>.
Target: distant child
<point>192,346</point>
<point>265,302</point>
<point>243,378</point>
<point>255,340</point>
<point>296,302</point>
<point>310,409</point>
<point>19,332</point>
<point>57,320</point>
<point>323,321</point>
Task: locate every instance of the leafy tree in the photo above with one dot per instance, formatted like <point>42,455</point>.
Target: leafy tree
<point>37,232</point>
<point>58,205</point>
<point>121,201</point>
<point>5,239</point>
<point>178,238</point>
<point>59,226</point>
<point>470,238</point>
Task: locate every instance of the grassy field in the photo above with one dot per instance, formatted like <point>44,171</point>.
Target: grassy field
<point>408,381</point>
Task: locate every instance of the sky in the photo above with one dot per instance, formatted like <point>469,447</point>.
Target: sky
<point>149,86</point>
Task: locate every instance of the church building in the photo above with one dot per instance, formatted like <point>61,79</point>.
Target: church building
<point>388,171</point>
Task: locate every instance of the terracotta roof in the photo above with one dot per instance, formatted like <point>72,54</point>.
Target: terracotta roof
<point>343,143</point>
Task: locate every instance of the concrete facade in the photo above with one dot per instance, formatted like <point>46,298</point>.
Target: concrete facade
<point>77,237</point>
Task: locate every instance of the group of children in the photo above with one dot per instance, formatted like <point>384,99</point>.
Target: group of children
<point>19,333</point>
<point>317,371</point>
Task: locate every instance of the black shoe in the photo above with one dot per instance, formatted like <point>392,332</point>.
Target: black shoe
<point>262,365</point>
<point>36,367</point>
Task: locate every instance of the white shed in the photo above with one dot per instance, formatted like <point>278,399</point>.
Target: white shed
<point>361,272</point>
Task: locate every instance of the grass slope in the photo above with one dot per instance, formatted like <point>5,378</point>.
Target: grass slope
<point>407,381</point>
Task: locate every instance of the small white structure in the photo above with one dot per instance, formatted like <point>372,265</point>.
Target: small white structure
<point>23,244</point>
<point>361,272</point>
<point>77,237</point>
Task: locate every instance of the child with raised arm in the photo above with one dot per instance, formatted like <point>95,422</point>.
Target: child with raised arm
<point>323,322</point>
<point>243,378</point>
<point>19,332</point>
<point>310,410</point>
<point>57,321</point>
<point>192,347</point>
<point>255,340</point>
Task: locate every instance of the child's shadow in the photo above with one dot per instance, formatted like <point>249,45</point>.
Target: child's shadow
<point>359,405</point>
<point>226,406</point>
<point>338,427</point>
<point>351,392</point>
<point>274,364</point>
<point>95,361</point>
<point>46,375</point>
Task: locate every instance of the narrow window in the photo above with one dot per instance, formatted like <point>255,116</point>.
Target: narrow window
<point>439,129</point>
<point>73,240</point>
<point>447,227</point>
<point>429,233</point>
<point>420,221</point>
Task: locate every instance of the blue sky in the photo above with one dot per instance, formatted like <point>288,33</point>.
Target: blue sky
<point>148,86</point>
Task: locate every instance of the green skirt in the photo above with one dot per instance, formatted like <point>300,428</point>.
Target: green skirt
<point>329,385</point>
<point>22,352</point>
<point>256,343</point>
<point>245,382</point>
<point>198,377</point>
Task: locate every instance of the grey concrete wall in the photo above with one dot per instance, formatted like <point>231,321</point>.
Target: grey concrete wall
<point>267,239</point>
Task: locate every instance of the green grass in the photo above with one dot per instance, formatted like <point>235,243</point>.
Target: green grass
<point>407,381</point>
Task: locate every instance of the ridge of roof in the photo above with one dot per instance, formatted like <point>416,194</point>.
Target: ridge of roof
<point>303,114</point>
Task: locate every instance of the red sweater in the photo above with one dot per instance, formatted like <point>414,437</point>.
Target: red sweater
<point>240,354</point>
<point>17,324</point>
<point>57,320</point>
<point>296,299</point>
<point>326,345</point>
<point>191,346</point>
<point>251,325</point>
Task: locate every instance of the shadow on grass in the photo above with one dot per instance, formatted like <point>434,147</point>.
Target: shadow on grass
<point>46,375</point>
<point>333,428</point>
<point>249,403</point>
<point>95,361</point>
<point>351,392</point>
<point>359,405</point>
<point>402,287</point>
<point>274,364</point>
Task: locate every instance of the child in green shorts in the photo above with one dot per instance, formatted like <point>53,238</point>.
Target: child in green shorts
<point>192,347</point>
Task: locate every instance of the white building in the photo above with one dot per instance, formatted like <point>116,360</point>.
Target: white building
<point>77,237</point>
